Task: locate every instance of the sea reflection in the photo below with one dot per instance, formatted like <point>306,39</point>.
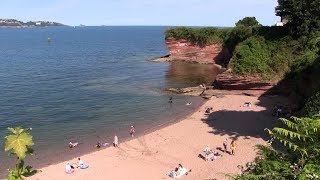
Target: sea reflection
<point>180,74</point>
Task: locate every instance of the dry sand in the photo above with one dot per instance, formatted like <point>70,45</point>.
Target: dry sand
<point>153,155</point>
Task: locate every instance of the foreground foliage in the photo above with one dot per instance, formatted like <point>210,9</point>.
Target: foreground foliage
<point>18,143</point>
<point>301,158</point>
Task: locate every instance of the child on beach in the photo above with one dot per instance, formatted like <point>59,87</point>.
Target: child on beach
<point>233,147</point>
<point>115,141</point>
<point>80,162</point>
<point>81,165</point>
<point>225,145</point>
<point>132,131</point>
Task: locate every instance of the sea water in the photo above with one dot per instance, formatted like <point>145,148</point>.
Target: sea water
<point>87,84</point>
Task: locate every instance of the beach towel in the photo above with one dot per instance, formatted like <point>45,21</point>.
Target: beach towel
<point>70,171</point>
<point>105,145</point>
<point>84,166</point>
<point>182,172</point>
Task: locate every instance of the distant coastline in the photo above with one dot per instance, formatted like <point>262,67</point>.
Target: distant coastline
<point>13,23</point>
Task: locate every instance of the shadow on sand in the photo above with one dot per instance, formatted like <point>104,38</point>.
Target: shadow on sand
<point>245,124</point>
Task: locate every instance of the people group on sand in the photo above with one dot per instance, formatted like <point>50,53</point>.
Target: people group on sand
<point>210,154</point>
<point>71,168</point>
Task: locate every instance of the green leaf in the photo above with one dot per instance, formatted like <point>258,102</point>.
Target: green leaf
<point>18,142</point>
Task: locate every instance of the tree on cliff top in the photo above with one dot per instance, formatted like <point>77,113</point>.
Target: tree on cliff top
<point>303,16</point>
<point>248,22</point>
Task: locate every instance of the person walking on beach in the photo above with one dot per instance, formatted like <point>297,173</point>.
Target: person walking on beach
<point>233,147</point>
<point>132,131</point>
<point>115,141</point>
<point>225,145</point>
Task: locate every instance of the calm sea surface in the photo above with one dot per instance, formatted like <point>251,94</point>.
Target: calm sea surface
<point>88,84</point>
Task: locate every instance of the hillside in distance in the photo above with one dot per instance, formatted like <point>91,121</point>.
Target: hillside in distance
<point>17,23</point>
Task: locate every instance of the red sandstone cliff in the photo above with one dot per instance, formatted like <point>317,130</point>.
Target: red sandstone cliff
<point>184,50</point>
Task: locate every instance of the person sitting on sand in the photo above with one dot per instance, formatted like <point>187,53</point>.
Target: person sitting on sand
<point>172,174</point>
<point>247,104</point>
<point>178,171</point>
<point>72,145</point>
<point>208,110</point>
<point>80,162</point>
<point>81,165</point>
<point>115,141</point>
<point>69,168</point>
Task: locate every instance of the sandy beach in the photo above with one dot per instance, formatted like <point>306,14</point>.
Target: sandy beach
<point>153,155</point>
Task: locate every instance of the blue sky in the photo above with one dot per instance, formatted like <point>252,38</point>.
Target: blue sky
<point>141,12</point>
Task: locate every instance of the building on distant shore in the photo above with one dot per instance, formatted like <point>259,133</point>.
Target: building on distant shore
<point>283,21</point>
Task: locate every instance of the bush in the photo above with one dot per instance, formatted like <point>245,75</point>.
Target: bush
<point>256,56</point>
<point>312,106</point>
<point>248,21</point>
<point>197,36</point>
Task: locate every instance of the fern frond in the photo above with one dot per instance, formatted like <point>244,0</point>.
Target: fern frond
<point>287,142</point>
<point>289,123</point>
<point>288,133</point>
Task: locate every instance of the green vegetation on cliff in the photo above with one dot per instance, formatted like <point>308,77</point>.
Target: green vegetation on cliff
<point>197,36</point>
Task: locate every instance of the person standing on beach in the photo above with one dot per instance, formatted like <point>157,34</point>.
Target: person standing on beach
<point>115,141</point>
<point>225,145</point>
<point>207,152</point>
<point>233,147</point>
<point>170,100</point>
<point>132,131</point>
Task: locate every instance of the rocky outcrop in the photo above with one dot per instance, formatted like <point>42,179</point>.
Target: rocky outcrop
<point>248,85</point>
<point>184,50</point>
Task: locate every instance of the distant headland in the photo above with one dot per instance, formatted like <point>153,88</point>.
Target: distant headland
<point>17,23</point>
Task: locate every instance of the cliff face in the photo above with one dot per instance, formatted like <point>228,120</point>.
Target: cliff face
<point>184,50</point>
